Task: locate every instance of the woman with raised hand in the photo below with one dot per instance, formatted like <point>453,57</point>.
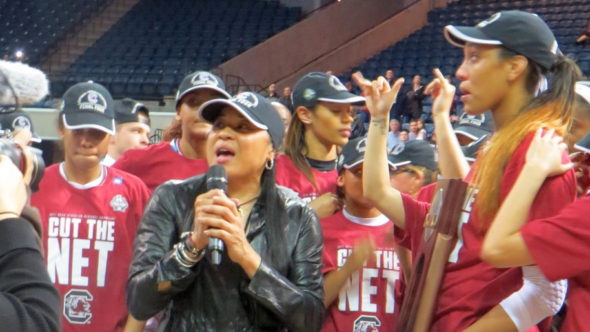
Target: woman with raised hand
<point>503,74</point>
<point>320,126</point>
<point>269,277</point>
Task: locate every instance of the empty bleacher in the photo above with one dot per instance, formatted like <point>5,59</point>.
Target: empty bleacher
<point>36,26</point>
<point>426,48</point>
<point>146,54</point>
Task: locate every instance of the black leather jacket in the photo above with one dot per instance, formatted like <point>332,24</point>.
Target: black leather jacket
<point>223,298</point>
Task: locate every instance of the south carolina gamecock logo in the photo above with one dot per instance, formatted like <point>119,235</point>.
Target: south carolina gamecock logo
<point>77,306</point>
<point>367,324</point>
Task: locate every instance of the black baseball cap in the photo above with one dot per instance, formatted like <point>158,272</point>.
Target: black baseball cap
<point>521,32</point>
<point>128,110</point>
<point>254,107</point>
<point>415,152</point>
<point>89,105</point>
<point>15,120</point>
<point>353,154</point>
<point>475,126</point>
<point>318,86</point>
<point>200,80</point>
<point>583,90</point>
<point>470,150</point>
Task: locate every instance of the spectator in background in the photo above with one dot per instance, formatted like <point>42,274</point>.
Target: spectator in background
<point>390,76</point>
<point>584,38</point>
<point>284,113</point>
<point>397,107</point>
<point>415,132</point>
<point>271,91</point>
<point>132,121</point>
<point>422,134</point>
<point>286,98</point>
<point>404,136</point>
<point>393,137</point>
<point>414,98</point>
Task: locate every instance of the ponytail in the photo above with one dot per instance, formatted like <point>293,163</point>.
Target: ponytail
<point>296,148</point>
<point>552,108</point>
<point>173,131</point>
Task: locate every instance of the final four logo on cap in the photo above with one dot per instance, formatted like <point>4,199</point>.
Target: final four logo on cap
<point>248,99</point>
<point>398,148</point>
<point>92,101</point>
<point>21,122</point>
<point>489,20</point>
<point>309,94</point>
<point>204,78</point>
<point>336,84</point>
<point>476,120</point>
<point>475,126</point>
<point>361,146</point>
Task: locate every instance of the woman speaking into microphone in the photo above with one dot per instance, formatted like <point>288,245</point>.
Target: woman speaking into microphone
<point>269,277</point>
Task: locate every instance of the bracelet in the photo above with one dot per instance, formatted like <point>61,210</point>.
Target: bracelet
<point>185,254</point>
<point>179,259</point>
<point>189,246</point>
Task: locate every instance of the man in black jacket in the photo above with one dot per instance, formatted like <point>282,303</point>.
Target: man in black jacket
<point>28,300</point>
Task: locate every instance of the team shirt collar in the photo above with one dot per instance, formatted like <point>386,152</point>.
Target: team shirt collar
<point>94,183</point>
<point>374,222</point>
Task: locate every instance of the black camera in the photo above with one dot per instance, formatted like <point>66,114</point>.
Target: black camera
<point>20,157</point>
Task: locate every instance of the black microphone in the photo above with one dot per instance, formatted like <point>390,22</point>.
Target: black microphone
<point>216,179</point>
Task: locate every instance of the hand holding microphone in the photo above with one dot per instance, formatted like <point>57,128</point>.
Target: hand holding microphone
<point>218,224</point>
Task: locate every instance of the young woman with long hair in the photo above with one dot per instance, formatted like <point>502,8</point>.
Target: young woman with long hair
<point>511,241</point>
<point>506,59</point>
<point>182,153</point>
<point>321,124</point>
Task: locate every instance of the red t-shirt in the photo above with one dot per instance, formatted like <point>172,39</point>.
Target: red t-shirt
<point>426,194</point>
<point>159,163</point>
<point>88,239</point>
<point>368,299</point>
<point>288,175</point>
<point>560,246</point>
<point>470,287</point>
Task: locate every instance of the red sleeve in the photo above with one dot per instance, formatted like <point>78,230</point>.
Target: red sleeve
<point>560,245</point>
<point>415,214</point>
<point>329,263</point>
<point>125,162</point>
<point>329,251</point>
<point>555,193</point>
